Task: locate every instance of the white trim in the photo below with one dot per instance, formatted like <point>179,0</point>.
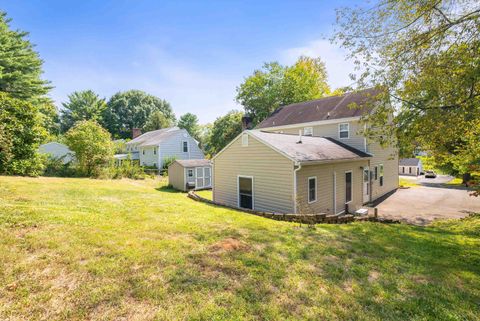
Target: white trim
<point>308,189</point>
<point>295,170</point>
<point>334,192</point>
<point>188,146</point>
<point>381,174</point>
<point>351,187</point>
<point>348,130</point>
<point>313,123</point>
<point>238,191</point>
<point>244,140</point>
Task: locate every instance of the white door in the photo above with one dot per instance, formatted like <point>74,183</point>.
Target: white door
<point>207,176</point>
<point>366,184</point>
<point>199,182</point>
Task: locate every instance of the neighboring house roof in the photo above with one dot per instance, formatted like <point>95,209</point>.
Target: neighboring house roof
<point>334,107</point>
<point>155,137</point>
<point>409,162</point>
<point>57,150</point>
<point>133,156</point>
<point>312,149</point>
<point>193,162</point>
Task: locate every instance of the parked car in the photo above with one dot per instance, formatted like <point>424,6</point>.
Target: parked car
<point>430,174</point>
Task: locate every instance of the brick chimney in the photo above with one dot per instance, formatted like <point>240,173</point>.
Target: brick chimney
<point>246,122</point>
<point>136,132</point>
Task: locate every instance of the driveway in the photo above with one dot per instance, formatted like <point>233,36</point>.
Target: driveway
<point>421,205</point>
<point>421,180</point>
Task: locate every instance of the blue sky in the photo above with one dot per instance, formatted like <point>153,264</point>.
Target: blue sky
<point>191,53</point>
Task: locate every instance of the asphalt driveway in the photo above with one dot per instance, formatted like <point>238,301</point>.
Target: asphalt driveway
<point>421,205</point>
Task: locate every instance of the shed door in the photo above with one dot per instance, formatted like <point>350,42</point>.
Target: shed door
<point>207,176</point>
<point>200,182</point>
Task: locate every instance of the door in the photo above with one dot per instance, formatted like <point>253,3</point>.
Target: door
<point>245,192</point>
<point>366,185</point>
<point>199,181</point>
<point>207,176</point>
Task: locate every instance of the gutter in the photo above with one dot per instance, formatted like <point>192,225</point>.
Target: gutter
<point>306,163</point>
<point>295,186</point>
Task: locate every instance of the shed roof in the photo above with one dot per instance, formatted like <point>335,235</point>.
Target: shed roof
<point>311,149</point>
<point>409,161</point>
<point>155,137</point>
<point>334,107</point>
<point>194,162</point>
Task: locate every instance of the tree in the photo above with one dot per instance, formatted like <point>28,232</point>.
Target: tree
<point>425,56</point>
<point>189,122</point>
<point>275,85</point>
<point>157,120</point>
<point>224,130</point>
<point>92,145</point>
<point>81,105</point>
<point>20,135</point>
<point>132,109</point>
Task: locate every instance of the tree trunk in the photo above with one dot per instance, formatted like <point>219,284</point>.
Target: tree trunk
<point>466,178</point>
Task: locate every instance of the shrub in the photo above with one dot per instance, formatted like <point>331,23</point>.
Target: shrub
<point>55,166</point>
<point>167,161</point>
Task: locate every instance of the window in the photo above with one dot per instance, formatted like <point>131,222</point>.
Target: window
<point>155,165</point>
<point>348,187</point>
<point>143,151</point>
<point>190,173</point>
<point>308,131</point>
<point>245,192</point>
<point>376,172</point>
<point>403,169</point>
<point>154,151</point>
<point>244,140</point>
<point>185,147</point>
<point>312,189</point>
<point>381,174</point>
<point>343,130</point>
<point>409,170</point>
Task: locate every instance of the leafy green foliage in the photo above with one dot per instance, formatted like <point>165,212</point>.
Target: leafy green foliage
<point>157,120</point>
<point>223,131</point>
<point>132,109</point>
<point>82,105</point>
<point>92,146</point>
<point>275,85</point>
<point>55,166</point>
<point>189,122</point>
<point>425,55</point>
<point>167,161</point>
<point>127,169</point>
<point>20,136</point>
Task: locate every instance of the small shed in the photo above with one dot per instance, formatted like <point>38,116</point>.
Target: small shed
<point>410,166</point>
<point>186,174</point>
<point>57,151</point>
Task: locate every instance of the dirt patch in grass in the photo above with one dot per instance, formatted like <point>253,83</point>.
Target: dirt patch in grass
<point>229,245</point>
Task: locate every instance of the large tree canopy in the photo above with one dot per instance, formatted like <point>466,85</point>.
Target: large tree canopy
<point>275,85</point>
<point>224,130</point>
<point>82,105</point>
<point>189,122</point>
<point>157,120</point>
<point>426,56</point>
<point>131,109</point>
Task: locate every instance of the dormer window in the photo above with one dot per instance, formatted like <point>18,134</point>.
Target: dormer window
<point>244,140</point>
<point>344,130</point>
<point>308,131</point>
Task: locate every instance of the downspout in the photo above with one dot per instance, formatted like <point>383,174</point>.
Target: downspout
<point>295,186</point>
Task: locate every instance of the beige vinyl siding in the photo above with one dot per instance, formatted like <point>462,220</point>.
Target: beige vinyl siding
<point>389,158</point>
<point>176,174</point>
<point>272,176</point>
<point>325,187</point>
<point>331,130</point>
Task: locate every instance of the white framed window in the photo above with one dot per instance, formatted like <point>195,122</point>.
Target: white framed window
<point>154,151</point>
<point>348,186</point>
<point>381,174</point>
<point>312,189</point>
<point>190,173</point>
<point>185,146</point>
<point>143,151</point>
<point>308,131</point>
<point>244,140</point>
<point>344,130</point>
<point>245,192</point>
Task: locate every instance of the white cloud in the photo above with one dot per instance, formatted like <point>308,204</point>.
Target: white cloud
<point>338,67</point>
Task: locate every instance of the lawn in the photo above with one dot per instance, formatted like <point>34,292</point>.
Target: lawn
<point>75,249</point>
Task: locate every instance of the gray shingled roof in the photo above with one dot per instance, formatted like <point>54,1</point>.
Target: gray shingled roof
<point>194,162</point>
<point>334,107</point>
<point>312,149</point>
<point>408,161</point>
<point>154,137</point>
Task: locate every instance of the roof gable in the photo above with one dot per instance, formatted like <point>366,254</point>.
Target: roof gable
<point>409,161</point>
<point>328,108</point>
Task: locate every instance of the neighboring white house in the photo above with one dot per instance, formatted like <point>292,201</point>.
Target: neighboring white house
<point>56,150</point>
<point>410,166</point>
<point>190,174</point>
<point>152,148</point>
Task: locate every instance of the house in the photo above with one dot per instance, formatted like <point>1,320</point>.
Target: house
<point>57,150</point>
<point>307,157</point>
<point>410,166</point>
<point>154,147</point>
<point>188,174</point>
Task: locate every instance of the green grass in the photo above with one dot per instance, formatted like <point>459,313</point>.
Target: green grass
<point>405,182</point>
<point>206,193</point>
<point>74,249</point>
